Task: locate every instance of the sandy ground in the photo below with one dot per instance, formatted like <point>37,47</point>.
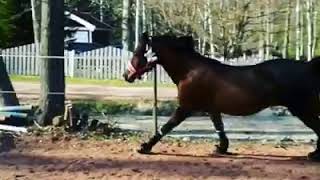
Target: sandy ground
<point>42,158</point>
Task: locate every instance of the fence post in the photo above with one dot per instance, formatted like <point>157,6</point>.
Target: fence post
<point>71,63</point>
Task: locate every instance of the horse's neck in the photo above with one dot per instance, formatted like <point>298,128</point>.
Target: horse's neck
<point>177,68</point>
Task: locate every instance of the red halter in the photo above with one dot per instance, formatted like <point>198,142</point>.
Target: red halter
<point>152,62</point>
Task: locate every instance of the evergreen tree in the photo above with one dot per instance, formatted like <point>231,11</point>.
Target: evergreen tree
<point>6,26</point>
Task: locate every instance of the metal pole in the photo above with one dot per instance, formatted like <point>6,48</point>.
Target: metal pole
<point>155,88</point>
<point>155,100</point>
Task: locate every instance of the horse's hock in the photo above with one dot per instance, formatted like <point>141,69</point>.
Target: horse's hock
<point>7,142</point>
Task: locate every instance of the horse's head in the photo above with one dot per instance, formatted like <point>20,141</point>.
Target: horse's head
<point>143,60</point>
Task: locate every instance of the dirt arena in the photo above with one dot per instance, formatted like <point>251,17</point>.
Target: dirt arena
<point>70,158</point>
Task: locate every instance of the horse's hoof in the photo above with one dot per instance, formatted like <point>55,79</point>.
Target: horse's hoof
<point>221,150</point>
<point>144,149</point>
<point>314,156</point>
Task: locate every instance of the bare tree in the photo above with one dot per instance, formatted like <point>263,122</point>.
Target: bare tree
<point>234,27</point>
<point>286,41</point>
<point>126,24</point>
<point>144,16</point>
<point>210,24</point>
<point>315,25</point>
<point>309,5</point>
<point>36,18</point>
<point>298,29</point>
<point>137,22</point>
<point>268,29</point>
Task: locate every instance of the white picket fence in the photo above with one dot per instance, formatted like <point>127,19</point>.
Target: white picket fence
<point>103,63</point>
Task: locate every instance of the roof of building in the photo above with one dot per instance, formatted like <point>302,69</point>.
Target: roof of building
<point>86,20</point>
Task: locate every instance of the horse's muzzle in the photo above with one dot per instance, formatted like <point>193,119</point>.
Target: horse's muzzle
<point>127,77</point>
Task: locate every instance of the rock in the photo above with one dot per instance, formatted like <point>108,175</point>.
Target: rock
<point>57,121</point>
<point>186,139</point>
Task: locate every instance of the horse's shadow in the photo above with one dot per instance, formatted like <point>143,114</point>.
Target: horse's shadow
<point>239,156</point>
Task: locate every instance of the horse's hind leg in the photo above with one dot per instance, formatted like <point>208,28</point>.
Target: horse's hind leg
<point>219,126</point>
<point>312,121</point>
<point>178,116</point>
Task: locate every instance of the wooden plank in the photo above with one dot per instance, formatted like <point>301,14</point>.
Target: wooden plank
<point>16,59</point>
<point>118,63</point>
<point>13,128</point>
<point>32,60</point>
<point>113,63</point>
<point>93,64</point>
<point>108,62</point>
<point>97,64</point>
<point>85,65</point>
<point>29,62</point>
<point>104,63</point>
<point>101,68</point>
<point>22,61</point>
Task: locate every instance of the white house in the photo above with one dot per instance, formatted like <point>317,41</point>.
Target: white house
<point>85,32</point>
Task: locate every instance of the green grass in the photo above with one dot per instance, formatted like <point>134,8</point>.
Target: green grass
<point>115,83</point>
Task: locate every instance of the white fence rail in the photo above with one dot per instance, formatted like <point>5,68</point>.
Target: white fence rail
<point>103,63</point>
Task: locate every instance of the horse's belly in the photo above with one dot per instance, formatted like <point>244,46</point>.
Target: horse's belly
<point>239,104</point>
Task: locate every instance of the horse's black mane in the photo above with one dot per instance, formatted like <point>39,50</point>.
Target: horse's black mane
<point>184,44</point>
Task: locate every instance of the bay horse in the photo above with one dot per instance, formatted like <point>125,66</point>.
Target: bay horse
<point>207,85</point>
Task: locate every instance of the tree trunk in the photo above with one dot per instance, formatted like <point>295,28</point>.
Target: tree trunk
<point>268,30</point>
<point>261,36</point>
<point>126,24</point>
<point>223,34</point>
<point>36,21</point>
<point>315,24</point>
<point>302,33</point>
<point>309,5</point>
<point>210,24</point>
<point>36,18</point>
<point>101,14</point>
<point>205,27</point>
<point>8,96</point>
<point>52,93</point>
<point>298,29</point>
<point>285,51</point>
<point>144,18</point>
<point>137,24</point>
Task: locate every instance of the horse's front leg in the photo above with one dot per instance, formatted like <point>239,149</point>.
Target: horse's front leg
<point>178,116</point>
<point>222,148</point>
